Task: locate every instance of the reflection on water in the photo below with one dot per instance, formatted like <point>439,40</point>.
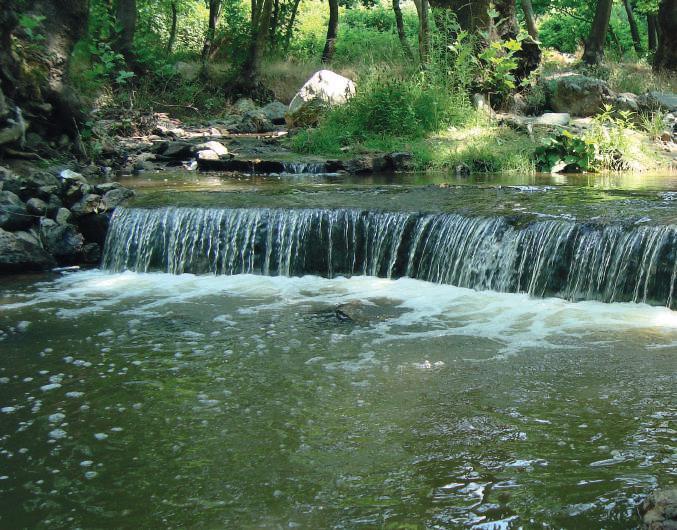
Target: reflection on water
<point>195,180</point>
<point>151,400</point>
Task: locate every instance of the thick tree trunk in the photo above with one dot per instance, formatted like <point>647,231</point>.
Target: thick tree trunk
<point>472,15</point>
<point>666,52</point>
<point>172,30</point>
<point>423,10</point>
<point>594,46</point>
<point>400,30</point>
<point>260,27</point>
<point>125,16</point>
<point>652,30</point>
<point>44,96</point>
<point>530,18</point>
<point>634,30</point>
<point>332,32</point>
<point>214,12</point>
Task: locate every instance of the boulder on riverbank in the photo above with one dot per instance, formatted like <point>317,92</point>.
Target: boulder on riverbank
<point>48,220</point>
<point>323,90</point>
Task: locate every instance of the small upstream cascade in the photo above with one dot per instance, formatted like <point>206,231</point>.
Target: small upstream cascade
<point>554,257</point>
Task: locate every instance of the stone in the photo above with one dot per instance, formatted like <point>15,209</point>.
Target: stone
<point>659,510</point>
<point>18,254</point>
<point>177,150</point>
<point>323,90</point>
<point>553,119</point>
<point>67,174</point>
<point>244,105</point>
<point>104,188</point>
<point>577,95</point>
<point>94,227</point>
<point>207,154</point>
<point>143,165</point>
<point>53,206</point>
<point>275,112</point>
<point>255,121</point>
<point>36,206</point>
<point>368,311</point>
<point>652,101</point>
<point>63,216</point>
<point>63,241</point>
<point>89,204</point>
<point>113,198</point>
<point>13,212</point>
<point>400,161</point>
<point>91,253</point>
<point>215,146</point>
<point>626,101</point>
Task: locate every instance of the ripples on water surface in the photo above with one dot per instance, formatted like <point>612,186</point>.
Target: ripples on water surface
<point>150,400</point>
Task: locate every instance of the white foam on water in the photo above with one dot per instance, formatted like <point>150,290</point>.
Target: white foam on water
<point>514,321</point>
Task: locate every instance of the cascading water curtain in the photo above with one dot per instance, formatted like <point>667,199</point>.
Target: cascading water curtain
<point>577,261</point>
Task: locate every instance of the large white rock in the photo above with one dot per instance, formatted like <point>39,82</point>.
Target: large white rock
<point>324,89</point>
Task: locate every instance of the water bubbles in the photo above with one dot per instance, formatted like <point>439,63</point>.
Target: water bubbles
<point>8,410</point>
<point>100,436</point>
<point>51,386</point>
<point>57,434</point>
<point>57,417</point>
<point>90,475</point>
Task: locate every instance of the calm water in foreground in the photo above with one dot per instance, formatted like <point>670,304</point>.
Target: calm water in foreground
<point>158,401</point>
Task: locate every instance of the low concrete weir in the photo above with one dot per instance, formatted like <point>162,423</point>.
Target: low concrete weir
<point>553,257</point>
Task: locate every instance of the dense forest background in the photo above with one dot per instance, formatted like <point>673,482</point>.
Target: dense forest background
<point>417,64</point>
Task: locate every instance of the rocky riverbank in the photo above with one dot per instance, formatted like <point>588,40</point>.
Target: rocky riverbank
<point>54,218</point>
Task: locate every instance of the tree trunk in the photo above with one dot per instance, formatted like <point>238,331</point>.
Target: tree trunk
<point>400,30</point>
<point>289,33</point>
<point>214,12</point>
<point>41,91</point>
<point>423,10</point>
<point>172,31</point>
<point>634,30</point>
<point>332,31</point>
<point>260,27</point>
<point>666,52</point>
<point>652,30</point>
<point>125,16</point>
<point>530,18</point>
<point>472,15</point>
<point>275,20</point>
<point>594,46</point>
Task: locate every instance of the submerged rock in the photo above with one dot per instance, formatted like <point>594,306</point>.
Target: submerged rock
<point>113,198</point>
<point>323,90</point>
<point>659,510</point>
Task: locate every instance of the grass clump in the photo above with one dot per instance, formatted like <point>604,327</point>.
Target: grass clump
<point>385,110</point>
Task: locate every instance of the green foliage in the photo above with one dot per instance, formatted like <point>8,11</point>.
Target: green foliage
<point>603,146</point>
<point>30,25</point>
<point>565,149</point>
<point>499,62</point>
<point>654,124</point>
<point>384,107</point>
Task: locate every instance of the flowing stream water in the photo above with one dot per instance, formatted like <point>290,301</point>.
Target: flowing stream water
<point>400,358</point>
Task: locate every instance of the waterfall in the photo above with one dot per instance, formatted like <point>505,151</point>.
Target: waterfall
<point>576,261</point>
